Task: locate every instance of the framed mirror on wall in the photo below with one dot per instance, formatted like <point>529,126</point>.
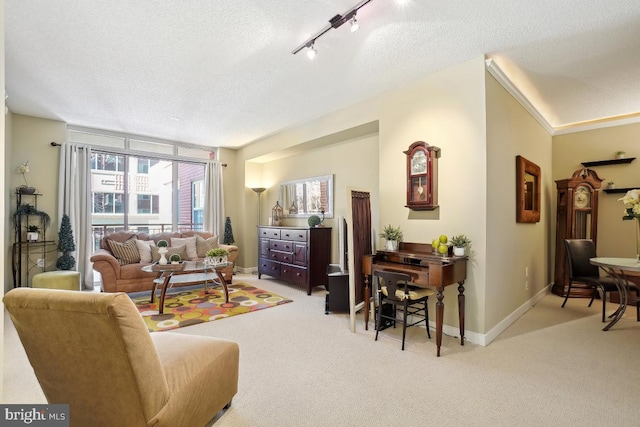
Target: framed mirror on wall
<point>527,190</point>
<point>308,196</point>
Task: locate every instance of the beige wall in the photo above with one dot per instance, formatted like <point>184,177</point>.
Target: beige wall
<point>513,247</point>
<point>615,237</point>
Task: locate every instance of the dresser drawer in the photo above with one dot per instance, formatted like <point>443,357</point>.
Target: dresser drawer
<point>295,235</point>
<point>281,245</point>
<point>268,267</point>
<point>296,275</point>
<point>269,233</point>
<point>281,256</point>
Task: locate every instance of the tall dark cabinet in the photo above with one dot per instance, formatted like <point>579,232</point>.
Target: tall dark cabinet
<point>577,218</point>
<point>298,255</point>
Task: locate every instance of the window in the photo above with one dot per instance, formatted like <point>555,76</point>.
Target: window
<point>197,203</point>
<point>110,203</point>
<point>107,162</point>
<point>148,204</point>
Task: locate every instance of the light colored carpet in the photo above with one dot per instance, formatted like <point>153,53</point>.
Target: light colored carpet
<point>300,367</point>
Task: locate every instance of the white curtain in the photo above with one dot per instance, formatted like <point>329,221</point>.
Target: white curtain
<point>214,200</point>
<point>74,199</point>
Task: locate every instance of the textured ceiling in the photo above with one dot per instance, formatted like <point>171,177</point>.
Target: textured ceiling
<point>221,72</point>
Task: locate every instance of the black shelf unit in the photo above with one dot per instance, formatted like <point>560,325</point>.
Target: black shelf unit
<point>25,253</point>
<point>608,162</point>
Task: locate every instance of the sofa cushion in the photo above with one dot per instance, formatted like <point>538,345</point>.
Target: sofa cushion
<point>203,245</point>
<point>125,253</point>
<point>180,250</point>
<point>190,244</point>
<point>144,248</point>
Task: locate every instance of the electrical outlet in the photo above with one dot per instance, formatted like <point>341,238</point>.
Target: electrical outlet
<point>40,262</point>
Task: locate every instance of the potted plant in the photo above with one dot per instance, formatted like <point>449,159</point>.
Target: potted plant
<point>611,185</point>
<point>216,256</point>
<point>460,243</point>
<point>66,245</point>
<point>32,233</point>
<point>27,209</point>
<point>162,250</point>
<point>175,259</point>
<point>314,221</point>
<point>619,154</point>
<point>393,236</point>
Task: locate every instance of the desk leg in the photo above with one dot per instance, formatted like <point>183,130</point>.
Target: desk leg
<point>165,285</point>
<point>461,310</point>
<point>622,285</point>
<point>439,318</point>
<point>367,302</point>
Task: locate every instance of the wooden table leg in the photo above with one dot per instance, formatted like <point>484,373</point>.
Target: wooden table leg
<point>223,282</point>
<point>461,310</point>
<point>155,286</point>
<point>439,318</point>
<point>165,285</point>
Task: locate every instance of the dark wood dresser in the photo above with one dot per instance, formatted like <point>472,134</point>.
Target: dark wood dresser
<point>298,255</point>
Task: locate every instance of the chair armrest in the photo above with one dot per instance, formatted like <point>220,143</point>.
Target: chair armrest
<point>233,251</point>
<point>106,264</point>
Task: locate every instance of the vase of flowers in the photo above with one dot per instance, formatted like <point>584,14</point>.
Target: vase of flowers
<point>23,169</point>
<point>631,202</point>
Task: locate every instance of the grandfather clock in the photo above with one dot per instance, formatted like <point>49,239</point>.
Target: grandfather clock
<point>577,218</point>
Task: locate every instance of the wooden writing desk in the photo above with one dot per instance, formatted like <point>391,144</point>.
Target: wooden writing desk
<point>426,271</point>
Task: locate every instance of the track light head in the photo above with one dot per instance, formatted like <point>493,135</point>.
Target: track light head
<point>311,51</point>
<point>354,24</point>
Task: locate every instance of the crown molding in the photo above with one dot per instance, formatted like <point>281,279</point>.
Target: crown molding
<point>506,83</point>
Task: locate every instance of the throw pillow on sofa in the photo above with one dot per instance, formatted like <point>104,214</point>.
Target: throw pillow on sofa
<point>144,249</point>
<point>125,253</point>
<point>180,250</point>
<point>189,242</point>
<point>203,245</point>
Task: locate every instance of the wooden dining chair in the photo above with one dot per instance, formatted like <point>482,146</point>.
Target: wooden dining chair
<point>394,289</point>
<point>579,251</point>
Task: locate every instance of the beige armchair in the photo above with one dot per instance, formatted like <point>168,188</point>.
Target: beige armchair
<point>93,352</point>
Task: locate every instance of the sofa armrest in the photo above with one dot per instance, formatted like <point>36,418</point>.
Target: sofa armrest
<point>232,249</point>
<point>107,265</point>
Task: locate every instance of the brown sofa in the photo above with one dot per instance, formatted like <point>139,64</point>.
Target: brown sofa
<point>130,277</point>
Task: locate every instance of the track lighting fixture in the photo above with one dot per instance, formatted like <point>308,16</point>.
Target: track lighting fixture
<point>311,51</point>
<point>335,22</point>
<point>354,24</point>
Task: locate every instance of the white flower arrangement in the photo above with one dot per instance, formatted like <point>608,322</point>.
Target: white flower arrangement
<point>632,204</point>
<point>24,169</point>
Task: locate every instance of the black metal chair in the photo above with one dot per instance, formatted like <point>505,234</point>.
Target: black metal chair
<point>579,251</point>
<point>394,290</point>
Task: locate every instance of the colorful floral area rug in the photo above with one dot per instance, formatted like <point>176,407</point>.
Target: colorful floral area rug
<point>188,306</point>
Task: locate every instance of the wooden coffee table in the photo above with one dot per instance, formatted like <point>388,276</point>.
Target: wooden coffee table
<point>191,272</point>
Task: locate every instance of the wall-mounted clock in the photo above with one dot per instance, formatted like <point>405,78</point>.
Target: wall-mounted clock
<point>422,176</point>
